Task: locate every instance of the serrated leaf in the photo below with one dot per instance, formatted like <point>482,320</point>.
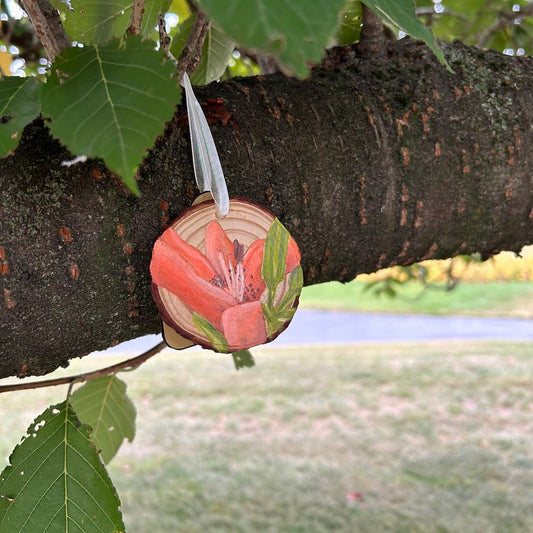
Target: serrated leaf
<point>401,13</point>
<point>111,102</point>
<point>104,405</point>
<point>152,8</point>
<point>216,338</point>
<point>295,32</point>
<point>216,52</point>
<point>243,358</point>
<point>275,255</point>
<point>97,22</point>
<point>94,21</point>
<point>19,105</point>
<point>56,482</point>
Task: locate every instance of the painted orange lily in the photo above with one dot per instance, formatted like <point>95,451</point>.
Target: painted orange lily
<point>224,286</point>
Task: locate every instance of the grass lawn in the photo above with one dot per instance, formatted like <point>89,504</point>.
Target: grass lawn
<point>509,298</point>
<point>433,437</point>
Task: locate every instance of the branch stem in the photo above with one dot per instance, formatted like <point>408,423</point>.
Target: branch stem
<point>129,364</point>
<point>136,17</point>
<point>48,26</point>
<point>192,51</point>
<point>371,40</point>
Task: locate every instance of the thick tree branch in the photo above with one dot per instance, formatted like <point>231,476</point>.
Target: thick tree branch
<point>368,164</point>
<point>48,26</point>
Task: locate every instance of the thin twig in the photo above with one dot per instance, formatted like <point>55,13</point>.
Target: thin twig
<point>192,51</point>
<point>129,364</point>
<point>48,26</point>
<point>371,41</point>
<point>164,39</point>
<point>136,17</point>
<point>505,19</point>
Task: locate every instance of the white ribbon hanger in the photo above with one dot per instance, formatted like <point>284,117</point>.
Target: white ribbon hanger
<point>207,168</point>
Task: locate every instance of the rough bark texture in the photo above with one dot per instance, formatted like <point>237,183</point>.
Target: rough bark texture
<point>369,163</point>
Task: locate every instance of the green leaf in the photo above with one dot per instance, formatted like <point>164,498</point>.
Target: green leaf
<point>296,32</point>
<point>401,13</point>
<point>56,482</point>
<point>350,19</point>
<point>19,104</point>
<point>104,405</point>
<point>243,358</point>
<point>152,8</point>
<point>94,21</point>
<point>216,338</point>
<point>111,102</point>
<point>216,52</point>
<point>275,255</point>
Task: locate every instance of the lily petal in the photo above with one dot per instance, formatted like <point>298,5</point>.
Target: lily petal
<point>172,271</point>
<point>251,265</point>
<point>244,326</point>
<point>189,253</point>
<point>219,250</point>
<point>293,256</point>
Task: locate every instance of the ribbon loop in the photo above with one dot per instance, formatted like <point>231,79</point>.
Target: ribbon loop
<point>207,168</point>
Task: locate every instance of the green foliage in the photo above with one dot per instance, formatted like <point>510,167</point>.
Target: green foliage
<point>294,32</point>
<point>216,52</point>
<point>94,21</point>
<point>111,102</point>
<point>19,104</point>
<point>496,24</point>
<point>56,482</point>
<point>104,405</point>
<point>350,20</point>
<point>401,14</point>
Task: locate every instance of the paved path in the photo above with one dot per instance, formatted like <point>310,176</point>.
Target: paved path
<point>341,327</point>
<point>332,327</point>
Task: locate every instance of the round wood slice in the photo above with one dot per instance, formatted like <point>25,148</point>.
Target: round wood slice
<point>245,223</point>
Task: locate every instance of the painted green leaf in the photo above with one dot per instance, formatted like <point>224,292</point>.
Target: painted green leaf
<point>104,405</point>
<point>275,317</point>
<point>19,104</point>
<point>296,282</point>
<point>243,358</point>
<point>275,255</point>
<point>216,52</point>
<point>111,102</point>
<point>56,481</point>
<point>401,13</point>
<point>295,32</point>
<point>216,338</point>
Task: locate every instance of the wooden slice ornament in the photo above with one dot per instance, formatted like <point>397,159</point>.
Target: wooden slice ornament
<point>226,284</point>
<point>225,274</point>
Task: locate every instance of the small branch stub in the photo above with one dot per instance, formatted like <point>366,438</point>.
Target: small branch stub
<point>48,26</point>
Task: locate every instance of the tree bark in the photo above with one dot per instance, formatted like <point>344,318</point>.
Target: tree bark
<point>369,163</point>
